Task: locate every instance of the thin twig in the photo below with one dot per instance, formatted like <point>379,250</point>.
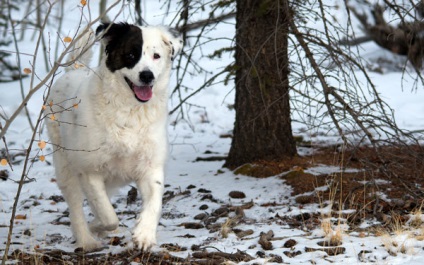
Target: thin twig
<point>18,59</point>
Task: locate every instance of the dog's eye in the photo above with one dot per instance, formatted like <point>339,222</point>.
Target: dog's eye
<point>130,56</point>
<point>156,56</point>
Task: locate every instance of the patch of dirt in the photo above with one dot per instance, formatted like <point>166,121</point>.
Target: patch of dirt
<point>47,256</point>
<point>375,183</point>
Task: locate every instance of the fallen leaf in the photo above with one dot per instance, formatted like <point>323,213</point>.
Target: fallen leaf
<point>42,158</point>
<point>3,162</point>
<point>189,225</point>
<point>21,217</point>
<point>297,168</point>
<point>27,71</point>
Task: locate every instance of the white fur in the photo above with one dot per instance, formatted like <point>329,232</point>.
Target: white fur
<point>112,139</point>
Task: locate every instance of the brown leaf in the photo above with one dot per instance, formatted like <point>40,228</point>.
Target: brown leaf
<point>21,217</point>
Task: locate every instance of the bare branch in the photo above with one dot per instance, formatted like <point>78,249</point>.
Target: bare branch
<point>202,23</point>
<point>55,67</point>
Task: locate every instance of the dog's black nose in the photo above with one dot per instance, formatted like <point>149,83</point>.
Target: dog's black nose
<point>146,77</point>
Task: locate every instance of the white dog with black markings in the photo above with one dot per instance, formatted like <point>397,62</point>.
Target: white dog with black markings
<point>108,127</point>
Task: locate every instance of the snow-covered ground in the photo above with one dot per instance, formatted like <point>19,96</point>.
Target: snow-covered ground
<point>199,187</point>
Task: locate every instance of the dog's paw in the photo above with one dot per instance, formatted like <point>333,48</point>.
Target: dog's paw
<point>89,244</point>
<point>98,230</point>
<point>144,239</point>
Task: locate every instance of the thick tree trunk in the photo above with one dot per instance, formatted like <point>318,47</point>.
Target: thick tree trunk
<point>262,128</point>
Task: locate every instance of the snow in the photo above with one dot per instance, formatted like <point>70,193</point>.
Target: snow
<point>42,222</point>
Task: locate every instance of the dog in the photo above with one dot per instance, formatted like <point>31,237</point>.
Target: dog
<point>108,127</point>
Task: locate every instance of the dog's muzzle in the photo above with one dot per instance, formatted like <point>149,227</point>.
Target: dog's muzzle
<point>143,92</point>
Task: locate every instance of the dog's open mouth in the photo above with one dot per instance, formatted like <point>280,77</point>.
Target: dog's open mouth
<point>143,93</point>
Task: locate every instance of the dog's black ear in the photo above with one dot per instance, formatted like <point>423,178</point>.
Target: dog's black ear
<point>112,33</point>
<point>101,28</point>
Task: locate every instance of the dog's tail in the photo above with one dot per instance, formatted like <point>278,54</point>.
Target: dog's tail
<point>81,53</point>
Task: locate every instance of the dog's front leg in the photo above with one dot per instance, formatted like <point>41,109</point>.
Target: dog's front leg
<point>151,188</point>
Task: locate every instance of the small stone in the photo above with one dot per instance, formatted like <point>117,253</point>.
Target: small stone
<point>303,216</point>
<point>203,207</point>
<point>331,251</point>
<point>329,243</point>
<point>243,233</point>
<point>27,232</point>
<point>202,190</point>
<point>264,240</point>
<point>195,247</point>
<point>173,247</point>
<point>304,199</point>
<point>192,225</point>
<point>201,216</point>
<point>237,194</point>
<point>275,258</point>
<point>57,198</point>
<point>210,220</point>
<point>221,212</point>
<point>292,254</point>
<point>208,197</point>
<point>290,243</point>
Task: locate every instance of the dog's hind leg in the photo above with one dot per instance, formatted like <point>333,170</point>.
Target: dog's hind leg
<point>96,194</point>
<point>96,226</point>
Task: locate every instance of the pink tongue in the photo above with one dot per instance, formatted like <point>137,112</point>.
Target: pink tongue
<point>143,93</point>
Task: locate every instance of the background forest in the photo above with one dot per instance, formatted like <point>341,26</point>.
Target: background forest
<point>295,130</point>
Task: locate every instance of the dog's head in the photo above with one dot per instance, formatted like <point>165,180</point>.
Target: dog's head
<point>141,55</point>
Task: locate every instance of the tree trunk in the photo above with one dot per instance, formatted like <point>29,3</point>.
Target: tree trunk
<point>262,129</point>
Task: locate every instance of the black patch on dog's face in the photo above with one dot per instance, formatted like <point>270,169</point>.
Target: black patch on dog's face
<point>124,44</point>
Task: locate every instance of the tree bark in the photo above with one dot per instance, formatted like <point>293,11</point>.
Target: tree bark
<point>262,129</point>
